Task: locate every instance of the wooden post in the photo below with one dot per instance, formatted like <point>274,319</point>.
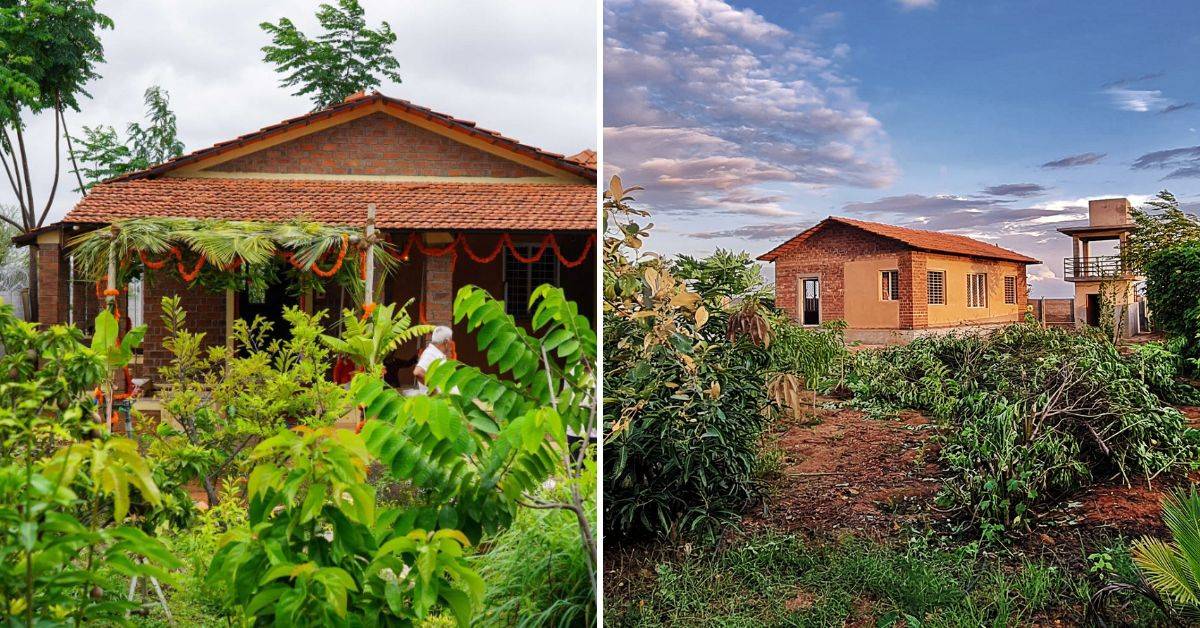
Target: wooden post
<point>369,242</point>
<point>230,305</point>
<point>110,299</point>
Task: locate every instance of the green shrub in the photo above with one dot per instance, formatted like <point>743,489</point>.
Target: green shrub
<point>1030,413</point>
<point>1173,292</point>
<point>684,404</point>
<point>819,354</point>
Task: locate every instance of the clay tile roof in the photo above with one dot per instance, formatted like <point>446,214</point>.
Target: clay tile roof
<point>585,157</point>
<point>932,241</point>
<point>450,206</point>
<point>355,101</point>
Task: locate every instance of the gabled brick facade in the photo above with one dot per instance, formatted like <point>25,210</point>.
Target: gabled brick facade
<point>377,144</point>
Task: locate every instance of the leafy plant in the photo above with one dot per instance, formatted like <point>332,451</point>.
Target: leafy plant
<point>536,571</point>
<point>227,399</point>
<point>368,340</point>
<point>317,551</point>
<point>685,401</point>
<point>346,58</point>
<point>484,443</point>
<point>1173,568</point>
<point>1030,414</point>
<point>65,486</point>
<point>1160,225</point>
<point>1173,292</point>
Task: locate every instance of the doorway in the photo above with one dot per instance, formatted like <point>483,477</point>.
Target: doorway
<point>275,299</point>
<point>1093,310</point>
<point>810,297</point>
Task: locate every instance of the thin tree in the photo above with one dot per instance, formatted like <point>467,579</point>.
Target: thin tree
<point>105,155</point>
<point>346,58</point>
<point>49,50</point>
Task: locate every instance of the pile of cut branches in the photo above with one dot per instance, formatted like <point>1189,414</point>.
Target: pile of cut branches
<point>1031,414</point>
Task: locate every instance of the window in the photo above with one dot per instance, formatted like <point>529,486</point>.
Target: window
<point>1010,290</point>
<point>520,278</point>
<point>937,287</point>
<point>890,285</point>
<point>977,290</point>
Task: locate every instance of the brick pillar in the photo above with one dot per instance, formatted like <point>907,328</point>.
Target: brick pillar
<point>439,290</point>
<point>52,278</point>
<point>914,280</point>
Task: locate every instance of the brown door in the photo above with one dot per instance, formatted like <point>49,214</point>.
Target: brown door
<point>810,289</point>
<point>1093,310</point>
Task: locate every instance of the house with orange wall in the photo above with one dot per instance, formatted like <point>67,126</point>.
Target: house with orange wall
<point>891,284</point>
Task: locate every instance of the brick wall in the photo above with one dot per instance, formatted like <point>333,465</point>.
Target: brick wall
<point>52,276</point>
<point>914,290</point>
<point>439,290</point>
<point>825,254</point>
<point>377,144</point>
<point>205,314</point>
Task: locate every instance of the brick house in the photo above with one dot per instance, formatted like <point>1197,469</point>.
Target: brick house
<point>891,284</point>
<point>446,180</point>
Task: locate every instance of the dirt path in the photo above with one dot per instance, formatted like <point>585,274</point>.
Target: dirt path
<point>844,472</point>
<point>849,473</point>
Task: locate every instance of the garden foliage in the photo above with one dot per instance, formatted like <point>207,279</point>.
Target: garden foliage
<point>1173,292</point>
<point>227,398</point>
<point>1173,567</point>
<point>1031,414</point>
<point>685,405</point>
<point>66,484</point>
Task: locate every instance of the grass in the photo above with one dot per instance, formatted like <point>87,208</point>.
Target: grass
<point>536,573</point>
<point>781,580</point>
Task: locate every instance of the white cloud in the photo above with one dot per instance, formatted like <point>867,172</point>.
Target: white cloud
<point>909,5</point>
<point>703,100</point>
<point>1140,100</point>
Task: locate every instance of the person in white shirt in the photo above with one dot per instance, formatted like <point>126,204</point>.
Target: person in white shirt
<point>439,345</point>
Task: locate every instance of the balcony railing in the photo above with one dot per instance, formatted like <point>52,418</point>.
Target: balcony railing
<point>1103,267</point>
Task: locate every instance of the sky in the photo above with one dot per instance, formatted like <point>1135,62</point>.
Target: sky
<point>747,122</point>
<point>525,68</point>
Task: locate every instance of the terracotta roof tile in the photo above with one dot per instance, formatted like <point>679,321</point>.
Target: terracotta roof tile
<point>932,241</point>
<point>475,206</point>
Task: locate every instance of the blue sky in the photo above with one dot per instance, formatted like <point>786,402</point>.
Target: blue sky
<point>995,119</point>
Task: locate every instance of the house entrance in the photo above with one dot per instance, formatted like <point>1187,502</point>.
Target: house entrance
<point>810,296</point>
<point>270,306</point>
<point>1093,310</point>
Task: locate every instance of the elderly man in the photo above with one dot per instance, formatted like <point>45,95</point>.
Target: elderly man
<point>440,346</point>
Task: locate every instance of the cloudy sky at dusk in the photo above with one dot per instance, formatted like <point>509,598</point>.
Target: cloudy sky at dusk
<point>525,68</point>
<point>749,121</point>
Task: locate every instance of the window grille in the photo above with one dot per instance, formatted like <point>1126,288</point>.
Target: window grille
<point>520,278</point>
<point>1010,290</point>
<point>937,287</point>
<point>977,290</point>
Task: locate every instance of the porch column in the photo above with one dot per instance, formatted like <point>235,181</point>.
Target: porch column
<point>52,276</point>
<point>439,290</point>
<point>914,280</point>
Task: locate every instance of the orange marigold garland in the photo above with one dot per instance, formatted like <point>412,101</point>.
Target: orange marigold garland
<point>189,277</point>
<point>587,248</point>
<point>337,265</point>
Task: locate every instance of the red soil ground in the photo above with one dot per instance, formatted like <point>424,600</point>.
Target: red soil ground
<point>846,473</point>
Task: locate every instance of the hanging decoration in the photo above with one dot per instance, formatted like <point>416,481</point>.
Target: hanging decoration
<point>548,242</point>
